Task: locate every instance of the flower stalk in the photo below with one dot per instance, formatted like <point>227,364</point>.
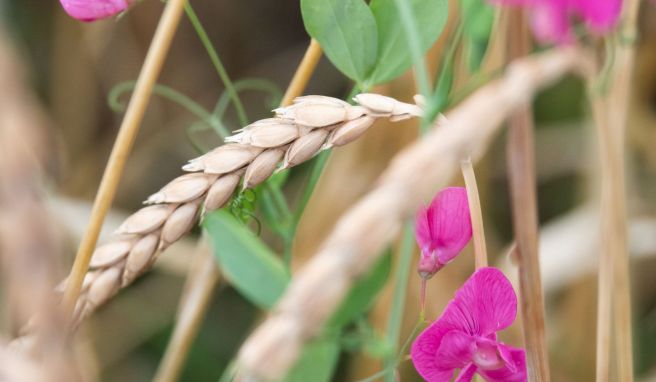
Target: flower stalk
<point>478,232</point>
<point>614,294</point>
<point>521,174</point>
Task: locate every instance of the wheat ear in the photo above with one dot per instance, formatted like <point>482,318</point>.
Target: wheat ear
<point>296,134</point>
<point>365,230</point>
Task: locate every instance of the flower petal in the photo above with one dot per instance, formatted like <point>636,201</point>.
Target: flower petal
<point>422,230</point>
<point>485,304</point>
<point>513,371</point>
<point>550,21</point>
<point>512,2</point>
<point>599,15</point>
<point>449,222</point>
<point>91,10</point>
<point>455,351</point>
<point>466,374</point>
<point>423,352</point>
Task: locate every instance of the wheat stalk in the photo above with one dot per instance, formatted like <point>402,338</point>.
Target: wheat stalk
<point>123,145</point>
<point>361,235</point>
<point>296,134</point>
<point>614,293</point>
<point>523,197</point>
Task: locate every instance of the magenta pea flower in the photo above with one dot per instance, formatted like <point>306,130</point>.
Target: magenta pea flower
<point>552,19</point>
<point>442,230</point>
<point>92,10</point>
<point>465,338</point>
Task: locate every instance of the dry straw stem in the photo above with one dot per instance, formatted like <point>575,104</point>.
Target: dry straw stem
<point>611,111</point>
<point>361,235</point>
<point>303,73</point>
<point>480,250</point>
<point>522,179</point>
<point>123,145</point>
<point>203,277</point>
<point>201,281</point>
<point>296,134</point>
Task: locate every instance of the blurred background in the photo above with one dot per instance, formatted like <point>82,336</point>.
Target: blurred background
<point>70,82</point>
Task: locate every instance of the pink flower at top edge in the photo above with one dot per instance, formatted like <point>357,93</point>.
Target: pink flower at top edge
<point>442,229</point>
<point>552,19</point>
<point>92,10</point>
<point>465,338</point>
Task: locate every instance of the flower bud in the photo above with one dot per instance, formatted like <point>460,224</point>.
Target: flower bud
<point>92,10</point>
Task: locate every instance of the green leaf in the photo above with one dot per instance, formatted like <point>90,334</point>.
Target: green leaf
<point>317,363</point>
<point>346,30</point>
<point>394,56</point>
<point>362,295</point>
<point>250,266</point>
<point>478,17</point>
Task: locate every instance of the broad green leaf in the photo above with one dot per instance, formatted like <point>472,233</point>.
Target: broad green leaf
<point>317,363</point>
<point>362,295</point>
<point>346,30</point>
<point>250,266</point>
<point>394,56</point>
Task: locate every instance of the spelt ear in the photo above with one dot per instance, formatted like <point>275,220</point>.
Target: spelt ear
<point>299,132</point>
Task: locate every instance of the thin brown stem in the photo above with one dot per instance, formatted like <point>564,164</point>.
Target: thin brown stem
<point>202,279</point>
<point>422,298</point>
<point>478,232</point>
<point>615,293</point>
<point>609,241</point>
<point>123,145</point>
<point>521,174</point>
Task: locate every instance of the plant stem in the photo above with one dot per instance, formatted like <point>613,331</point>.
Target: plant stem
<point>444,83</point>
<point>412,38</point>
<point>318,164</point>
<point>398,301</point>
<point>198,290</point>
<point>605,280</point>
<point>614,294</point>
<point>480,251</point>
<point>123,145</point>
<point>521,173</point>
<point>303,73</point>
<point>218,65</point>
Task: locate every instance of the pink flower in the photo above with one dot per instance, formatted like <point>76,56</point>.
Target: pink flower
<point>91,10</point>
<point>442,230</point>
<point>464,337</point>
<point>551,19</point>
